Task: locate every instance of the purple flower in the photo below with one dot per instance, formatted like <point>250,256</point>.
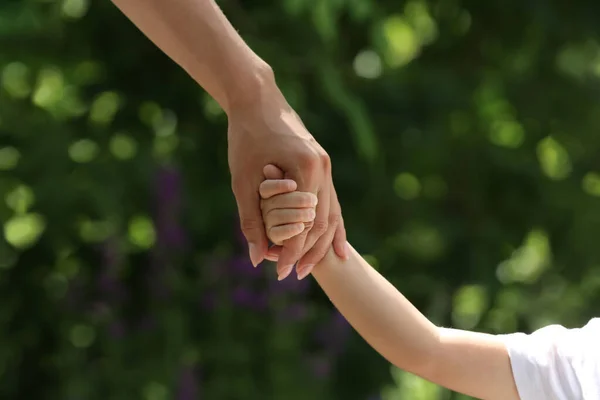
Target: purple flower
<point>245,297</point>
<point>242,296</point>
<point>295,312</point>
<point>188,388</point>
<point>110,254</point>
<point>170,235</point>
<point>108,283</point>
<point>239,236</point>
<point>168,183</point>
<point>74,297</point>
<point>116,330</point>
<point>335,333</point>
<point>148,323</point>
<point>99,310</point>
<point>241,265</point>
<point>111,287</point>
<point>208,302</point>
<point>320,366</point>
<point>260,302</point>
<point>289,285</point>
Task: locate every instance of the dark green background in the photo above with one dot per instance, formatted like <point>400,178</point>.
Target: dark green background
<point>464,139</point>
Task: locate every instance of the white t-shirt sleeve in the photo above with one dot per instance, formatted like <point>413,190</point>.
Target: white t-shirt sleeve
<point>555,363</point>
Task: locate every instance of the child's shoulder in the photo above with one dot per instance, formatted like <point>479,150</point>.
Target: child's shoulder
<point>593,324</point>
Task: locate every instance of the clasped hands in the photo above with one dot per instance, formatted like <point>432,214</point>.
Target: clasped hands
<point>285,212</point>
<point>271,133</point>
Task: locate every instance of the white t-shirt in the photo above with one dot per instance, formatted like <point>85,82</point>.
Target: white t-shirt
<point>555,363</point>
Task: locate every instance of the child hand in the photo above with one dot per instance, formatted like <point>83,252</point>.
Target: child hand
<point>286,212</point>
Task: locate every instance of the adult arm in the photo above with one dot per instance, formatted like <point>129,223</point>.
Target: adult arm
<point>263,128</point>
<point>197,36</point>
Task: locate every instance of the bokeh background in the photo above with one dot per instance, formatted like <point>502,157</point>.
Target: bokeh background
<point>465,143</point>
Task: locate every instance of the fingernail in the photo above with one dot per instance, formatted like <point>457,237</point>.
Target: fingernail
<point>305,271</point>
<point>272,257</point>
<point>255,256</point>
<point>285,272</point>
<point>347,250</point>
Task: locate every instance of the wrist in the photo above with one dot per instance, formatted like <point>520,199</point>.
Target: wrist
<point>255,93</point>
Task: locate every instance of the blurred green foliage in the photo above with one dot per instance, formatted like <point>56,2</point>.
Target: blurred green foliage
<point>464,139</point>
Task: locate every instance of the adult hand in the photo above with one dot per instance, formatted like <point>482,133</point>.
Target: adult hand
<point>270,132</point>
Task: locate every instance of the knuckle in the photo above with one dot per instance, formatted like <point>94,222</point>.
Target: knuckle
<point>293,249</point>
<point>279,186</point>
<point>263,189</point>
<point>325,160</point>
<point>302,215</point>
<point>335,219</point>
<point>277,202</point>
<point>320,227</point>
<point>274,236</point>
<point>264,204</point>
<point>309,225</point>
<point>284,186</point>
<point>308,160</point>
<point>309,214</point>
<point>316,254</point>
<point>340,232</point>
<point>289,257</point>
<point>307,199</point>
<point>289,230</point>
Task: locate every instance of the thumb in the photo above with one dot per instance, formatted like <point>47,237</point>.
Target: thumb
<point>272,172</point>
<point>251,222</point>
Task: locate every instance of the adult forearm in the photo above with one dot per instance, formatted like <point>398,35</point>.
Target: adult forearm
<point>198,36</point>
<point>382,316</point>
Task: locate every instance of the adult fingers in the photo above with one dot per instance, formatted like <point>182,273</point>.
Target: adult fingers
<point>340,245</point>
<point>273,255</point>
<point>307,172</point>
<point>272,187</point>
<point>321,247</point>
<point>316,253</point>
<point>319,228</point>
<point>251,222</point>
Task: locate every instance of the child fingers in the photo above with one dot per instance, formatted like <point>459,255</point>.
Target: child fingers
<point>272,187</point>
<point>290,200</point>
<point>278,234</point>
<point>288,216</point>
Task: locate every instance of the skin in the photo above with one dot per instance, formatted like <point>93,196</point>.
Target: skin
<point>263,128</point>
<point>471,363</point>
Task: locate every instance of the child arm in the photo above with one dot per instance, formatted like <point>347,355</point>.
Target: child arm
<point>471,363</point>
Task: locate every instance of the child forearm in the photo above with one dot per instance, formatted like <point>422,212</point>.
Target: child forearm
<point>382,316</point>
<point>467,362</point>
